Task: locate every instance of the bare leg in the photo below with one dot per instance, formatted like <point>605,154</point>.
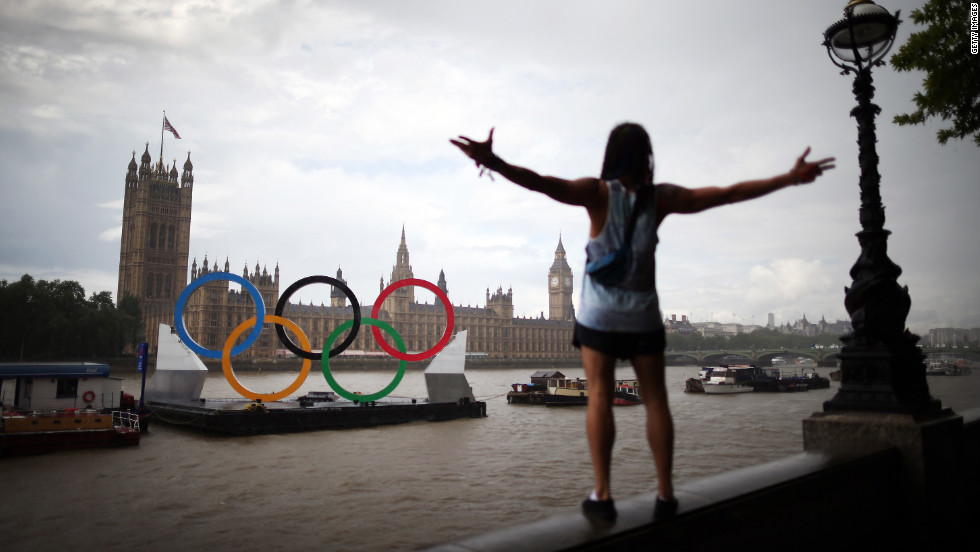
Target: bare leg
<point>599,424</point>
<point>660,426</point>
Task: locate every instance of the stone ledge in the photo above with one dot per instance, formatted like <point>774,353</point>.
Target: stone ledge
<point>805,501</point>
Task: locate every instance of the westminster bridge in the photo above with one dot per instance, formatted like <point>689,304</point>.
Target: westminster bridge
<point>791,356</point>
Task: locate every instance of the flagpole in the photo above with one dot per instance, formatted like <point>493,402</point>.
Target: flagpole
<point>163,125</point>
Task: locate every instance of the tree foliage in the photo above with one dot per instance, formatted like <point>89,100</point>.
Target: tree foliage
<point>53,321</point>
<point>760,339</point>
<point>951,88</point>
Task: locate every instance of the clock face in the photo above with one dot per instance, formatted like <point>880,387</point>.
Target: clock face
<point>554,281</point>
<point>568,281</point>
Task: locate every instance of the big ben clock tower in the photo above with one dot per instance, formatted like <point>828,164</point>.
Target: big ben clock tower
<point>560,282</point>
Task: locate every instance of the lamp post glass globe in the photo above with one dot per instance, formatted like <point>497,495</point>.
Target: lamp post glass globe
<point>864,35</point>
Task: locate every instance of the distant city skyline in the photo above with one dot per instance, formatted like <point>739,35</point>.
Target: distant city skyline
<point>738,320</point>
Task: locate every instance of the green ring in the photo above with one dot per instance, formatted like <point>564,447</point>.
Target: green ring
<point>325,361</point>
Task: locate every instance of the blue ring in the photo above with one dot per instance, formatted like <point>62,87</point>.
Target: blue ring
<point>184,295</point>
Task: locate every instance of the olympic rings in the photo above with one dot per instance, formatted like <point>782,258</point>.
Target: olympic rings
<point>449,319</point>
<point>305,351</point>
<point>230,374</point>
<point>184,295</point>
<point>325,362</point>
<point>284,299</point>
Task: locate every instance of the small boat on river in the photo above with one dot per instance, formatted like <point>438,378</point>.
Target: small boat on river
<point>721,379</point>
<point>49,407</point>
<point>725,382</point>
<point>627,393</point>
<point>782,380</point>
<point>552,388</point>
<point>939,367</point>
<point>815,380</point>
<point>24,433</point>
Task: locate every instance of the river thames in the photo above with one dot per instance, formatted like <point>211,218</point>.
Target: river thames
<point>399,487</point>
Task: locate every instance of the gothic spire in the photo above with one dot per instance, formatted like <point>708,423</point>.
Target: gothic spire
<point>560,250</point>
<point>402,261</point>
<point>187,178</point>
<point>560,262</point>
<point>442,282</point>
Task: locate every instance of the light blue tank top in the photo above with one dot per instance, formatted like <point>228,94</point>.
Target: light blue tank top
<point>633,306</point>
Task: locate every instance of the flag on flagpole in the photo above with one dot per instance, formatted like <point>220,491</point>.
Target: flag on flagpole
<point>170,127</point>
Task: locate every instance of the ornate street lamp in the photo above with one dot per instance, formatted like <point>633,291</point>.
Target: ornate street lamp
<point>882,369</point>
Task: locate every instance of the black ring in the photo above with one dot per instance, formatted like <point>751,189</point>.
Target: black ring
<point>284,298</point>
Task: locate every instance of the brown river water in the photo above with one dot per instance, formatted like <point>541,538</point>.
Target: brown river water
<point>399,487</point>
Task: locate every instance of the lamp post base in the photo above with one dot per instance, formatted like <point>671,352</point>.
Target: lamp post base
<point>880,379</point>
<point>937,490</point>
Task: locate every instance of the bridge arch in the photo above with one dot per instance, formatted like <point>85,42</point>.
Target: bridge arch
<point>820,356</point>
<point>730,358</point>
<point>972,355</point>
<point>791,357</point>
<point>682,358</point>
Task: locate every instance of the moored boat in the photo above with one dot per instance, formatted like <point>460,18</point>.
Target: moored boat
<point>49,407</point>
<point>724,382</point>
<point>936,368</point>
<point>24,433</point>
<point>757,379</point>
<point>627,393</point>
<point>942,367</point>
<point>780,381</point>
<point>552,388</point>
<point>549,387</point>
<point>721,388</point>
<point>815,380</point>
<point>566,392</point>
<point>740,375</point>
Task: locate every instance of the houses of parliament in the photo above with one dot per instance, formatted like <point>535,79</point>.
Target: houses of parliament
<point>153,266</point>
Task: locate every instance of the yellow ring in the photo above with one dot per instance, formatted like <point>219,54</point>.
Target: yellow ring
<point>230,374</point>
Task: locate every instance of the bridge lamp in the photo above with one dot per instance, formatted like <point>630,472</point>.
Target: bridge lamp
<point>882,369</point>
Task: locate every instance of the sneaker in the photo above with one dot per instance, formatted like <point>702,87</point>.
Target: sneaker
<point>664,509</point>
<point>603,510</point>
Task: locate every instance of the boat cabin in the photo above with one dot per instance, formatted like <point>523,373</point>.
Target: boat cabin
<point>577,384</point>
<point>738,373</point>
<point>58,386</point>
<point>541,378</point>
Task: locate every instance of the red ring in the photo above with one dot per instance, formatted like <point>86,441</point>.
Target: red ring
<point>88,396</point>
<point>450,319</point>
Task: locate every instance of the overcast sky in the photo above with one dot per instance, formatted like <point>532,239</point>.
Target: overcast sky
<point>318,130</point>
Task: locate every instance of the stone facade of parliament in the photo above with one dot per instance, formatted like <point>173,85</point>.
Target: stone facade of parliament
<point>153,259</point>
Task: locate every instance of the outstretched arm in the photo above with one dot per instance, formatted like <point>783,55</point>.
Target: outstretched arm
<point>584,191</point>
<point>676,199</point>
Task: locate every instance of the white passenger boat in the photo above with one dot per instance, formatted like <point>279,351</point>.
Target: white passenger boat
<point>722,382</point>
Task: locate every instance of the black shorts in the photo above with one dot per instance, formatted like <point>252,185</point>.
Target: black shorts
<point>622,345</point>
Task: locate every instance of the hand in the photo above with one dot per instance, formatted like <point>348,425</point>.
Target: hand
<point>479,152</point>
<point>805,171</point>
